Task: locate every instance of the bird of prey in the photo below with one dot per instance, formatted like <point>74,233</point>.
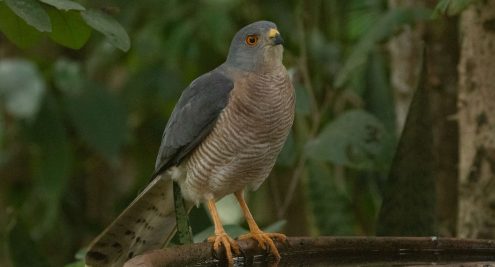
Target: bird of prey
<point>222,138</point>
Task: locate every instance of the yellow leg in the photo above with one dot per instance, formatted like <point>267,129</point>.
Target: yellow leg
<point>221,236</point>
<point>263,239</point>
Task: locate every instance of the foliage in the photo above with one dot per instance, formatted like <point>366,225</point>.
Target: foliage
<point>102,121</point>
<point>22,245</point>
<point>64,21</point>
<point>79,130</point>
<point>355,139</point>
<point>386,26</point>
<point>115,34</point>
<point>452,7</point>
<point>22,87</point>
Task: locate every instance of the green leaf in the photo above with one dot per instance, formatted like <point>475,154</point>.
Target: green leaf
<point>52,163</point>
<point>356,139</point>
<point>331,207</point>
<point>362,17</point>
<point>378,94</point>
<point>324,55</point>
<point>275,227</point>
<point>302,103</point>
<point>3,150</point>
<point>31,12</point>
<point>67,76</point>
<point>115,33</point>
<point>81,254</point>
<point>388,25</point>
<point>215,15</point>
<point>99,118</point>
<point>64,4</point>
<point>21,244</point>
<point>287,156</point>
<point>22,87</point>
<point>451,7</point>
<point>80,263</point>
<point>69,29</point>
<point>16,29</point>
<point>178,40</point>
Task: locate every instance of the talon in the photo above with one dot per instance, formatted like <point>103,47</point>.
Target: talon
<point>280,237</point>
<point>265,239</point>
<point>228,243</point>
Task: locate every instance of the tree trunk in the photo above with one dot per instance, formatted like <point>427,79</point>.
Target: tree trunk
<point>408,207</point>
<point>440,38</point>
<point>443,55</point>
<point>405,52</point>
<point>477,122</point>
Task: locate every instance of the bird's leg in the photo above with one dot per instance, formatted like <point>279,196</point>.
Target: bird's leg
<point>221,236</point>
<point>263,238</point>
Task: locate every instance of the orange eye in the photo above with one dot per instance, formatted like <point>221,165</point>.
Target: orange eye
<point>252,39</point>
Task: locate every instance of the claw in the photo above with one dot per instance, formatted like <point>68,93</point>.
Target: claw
<point>266,239</point>
<point>228,243</point>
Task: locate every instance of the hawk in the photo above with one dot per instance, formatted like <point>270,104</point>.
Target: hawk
<point>223,137</point>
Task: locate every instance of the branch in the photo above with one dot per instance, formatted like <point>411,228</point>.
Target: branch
<point>182,218</point>
<point>320,250</point>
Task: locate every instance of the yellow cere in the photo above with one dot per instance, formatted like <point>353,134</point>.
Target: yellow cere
<point>272,33</point>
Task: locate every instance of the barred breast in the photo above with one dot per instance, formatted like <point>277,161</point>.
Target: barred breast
<point>243,145</point>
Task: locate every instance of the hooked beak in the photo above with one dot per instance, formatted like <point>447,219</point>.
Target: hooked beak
<point>275,37</point>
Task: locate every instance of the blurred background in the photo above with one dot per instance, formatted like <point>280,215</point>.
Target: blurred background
<point>83,106</point>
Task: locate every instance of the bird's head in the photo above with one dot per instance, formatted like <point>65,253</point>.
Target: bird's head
<point>257,46</point>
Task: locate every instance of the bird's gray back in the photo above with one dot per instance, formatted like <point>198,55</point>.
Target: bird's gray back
<point>193,117</point>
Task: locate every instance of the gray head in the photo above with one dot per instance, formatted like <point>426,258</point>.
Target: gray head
<point>257,46</point>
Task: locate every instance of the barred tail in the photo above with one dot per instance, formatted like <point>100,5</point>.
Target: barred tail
<point>147,223</point>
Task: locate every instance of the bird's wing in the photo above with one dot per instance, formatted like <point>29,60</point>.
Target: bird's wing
<point>149,221</point>
<point>193,117</point>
